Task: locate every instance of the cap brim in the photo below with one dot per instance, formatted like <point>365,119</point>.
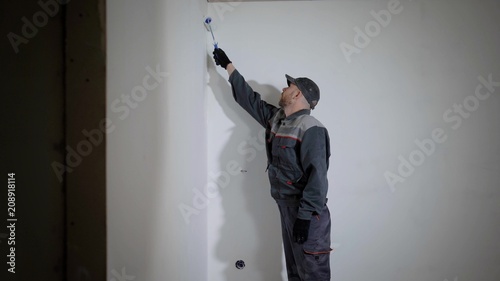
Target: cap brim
<point>290,79</point>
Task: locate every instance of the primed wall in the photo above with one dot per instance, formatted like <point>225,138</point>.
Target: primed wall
<point>442,221</point>
<point>156,152</point>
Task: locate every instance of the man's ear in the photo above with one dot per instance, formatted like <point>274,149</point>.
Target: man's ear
<point>297,94</point>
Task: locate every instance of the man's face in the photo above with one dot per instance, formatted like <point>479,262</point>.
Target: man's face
<point>287,96</point>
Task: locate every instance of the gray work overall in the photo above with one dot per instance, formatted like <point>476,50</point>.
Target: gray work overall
<point>298,151</point>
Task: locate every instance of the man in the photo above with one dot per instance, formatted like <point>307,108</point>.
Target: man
<point>298,151</point>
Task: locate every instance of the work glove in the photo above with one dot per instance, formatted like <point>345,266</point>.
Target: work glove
<point>221,58</point>
<point>301,230</point>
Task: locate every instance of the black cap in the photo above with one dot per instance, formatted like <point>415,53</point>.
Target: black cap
<point>308,88</point>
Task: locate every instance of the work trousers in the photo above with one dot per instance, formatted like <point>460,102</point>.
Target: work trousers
<point>309,261</point>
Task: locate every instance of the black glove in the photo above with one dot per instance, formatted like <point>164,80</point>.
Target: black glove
<point>301,230</point>
<point>221,58</point>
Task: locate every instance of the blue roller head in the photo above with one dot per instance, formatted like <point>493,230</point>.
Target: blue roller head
<point>208,20</point>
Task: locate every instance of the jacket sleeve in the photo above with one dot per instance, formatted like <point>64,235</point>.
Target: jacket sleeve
<point>314,154</point>
<point>250,100</point>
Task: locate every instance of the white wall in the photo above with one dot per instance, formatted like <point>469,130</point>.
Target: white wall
<point>157,152</point>
<point>440,222</point>
<point>181,138</point>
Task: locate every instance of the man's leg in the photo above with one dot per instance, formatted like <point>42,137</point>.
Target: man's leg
<point>315,252</point>
<point>311,260</point>
<point>286,232</point>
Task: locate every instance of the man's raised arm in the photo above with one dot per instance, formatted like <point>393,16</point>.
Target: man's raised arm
<point>243,93</point>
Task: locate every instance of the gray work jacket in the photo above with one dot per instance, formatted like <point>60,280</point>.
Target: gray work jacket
<point>298,150</point>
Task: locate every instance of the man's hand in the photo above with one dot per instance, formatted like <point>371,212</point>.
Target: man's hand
<point>301,230</point>
<point>221,58</point>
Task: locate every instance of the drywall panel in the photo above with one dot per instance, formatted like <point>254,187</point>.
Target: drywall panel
<point>410,98</point>
<point>156,145</point>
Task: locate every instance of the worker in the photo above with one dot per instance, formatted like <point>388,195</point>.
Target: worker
<point>298,152</point>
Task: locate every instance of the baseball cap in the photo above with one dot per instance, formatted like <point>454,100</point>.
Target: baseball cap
<point>308,88</point>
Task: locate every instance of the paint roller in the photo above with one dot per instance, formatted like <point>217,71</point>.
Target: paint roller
<point>208,20</point>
